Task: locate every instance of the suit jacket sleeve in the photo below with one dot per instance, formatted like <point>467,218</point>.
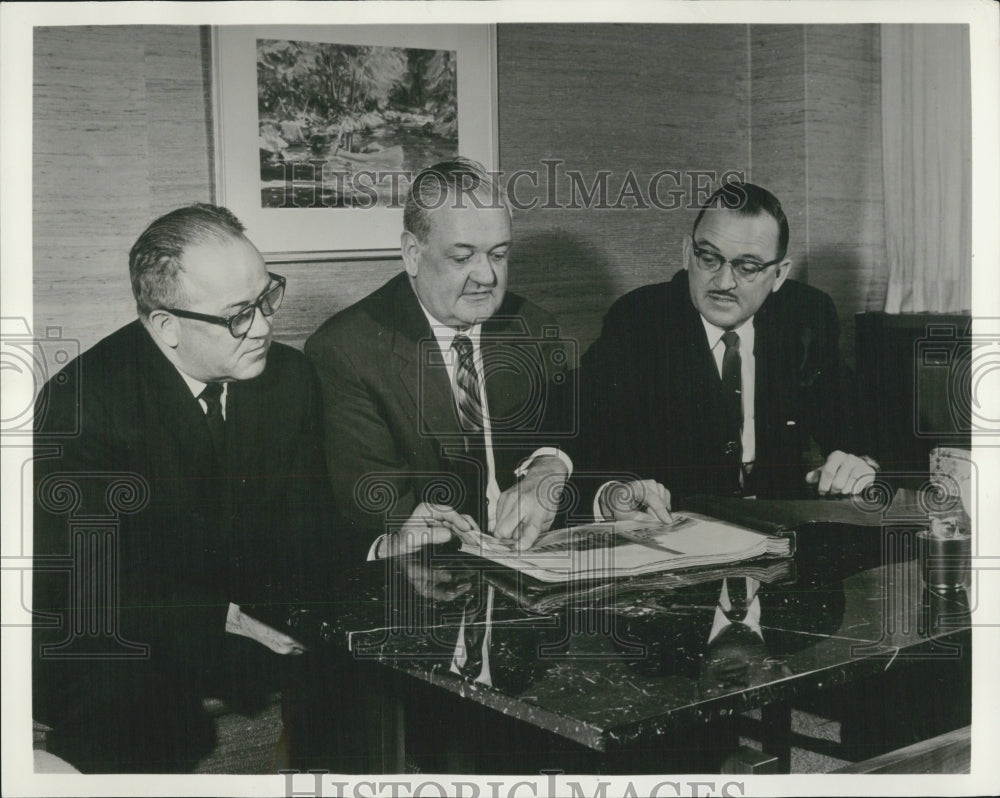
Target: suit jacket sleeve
<point>75,476</point>
<point>368,474</point>
<point>317,537</point>
<point>609,390</point>
<point>826,382</point>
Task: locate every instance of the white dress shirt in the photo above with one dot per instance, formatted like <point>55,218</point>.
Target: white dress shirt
<point>752,618</point>
<point>747,365</point>
<point>234,618</point>
<point>445,336</point>
<point>197,386</point>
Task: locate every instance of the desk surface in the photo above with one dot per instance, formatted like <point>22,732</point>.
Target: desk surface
<point>609,666</point>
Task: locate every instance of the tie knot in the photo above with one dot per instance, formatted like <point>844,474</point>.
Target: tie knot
<point>462,345</point>
<point>731,339</point>
<point>212,393</point>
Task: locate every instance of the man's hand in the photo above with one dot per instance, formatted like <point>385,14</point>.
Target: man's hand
<point>528,508</point>
<point>238,623</point>
<point>441,584</point>
<point>841,474</point>
<point>639,500</point>
<point>427,524</point>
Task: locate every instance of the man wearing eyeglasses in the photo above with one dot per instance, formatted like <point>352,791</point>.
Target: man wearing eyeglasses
<point>716,381</point>
<point>216,431</point>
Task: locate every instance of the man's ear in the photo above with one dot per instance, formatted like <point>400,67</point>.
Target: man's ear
<point>686,251</point>
<point>781,272</point>
<point>163,326</point>
<point>410,247</point>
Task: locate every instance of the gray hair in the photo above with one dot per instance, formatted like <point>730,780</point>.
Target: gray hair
<point>461,180</point>
<point>155,259</point>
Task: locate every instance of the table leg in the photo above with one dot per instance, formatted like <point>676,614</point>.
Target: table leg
<point>776,733</point>
<point>384,722</point>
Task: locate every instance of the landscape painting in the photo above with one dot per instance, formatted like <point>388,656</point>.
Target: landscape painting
<point>346,125</point>
<point>319,129</point>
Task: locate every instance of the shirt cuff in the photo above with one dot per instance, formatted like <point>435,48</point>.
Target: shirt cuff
<point>373,551</point>
<point>233,616</point>
<point>598,515</point>
<point>545,451</point>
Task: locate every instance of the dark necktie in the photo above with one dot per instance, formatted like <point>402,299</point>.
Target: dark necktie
<point>212,396</point>
<point>736,589</point>
<point>732,403</point>
<point>469,404</point>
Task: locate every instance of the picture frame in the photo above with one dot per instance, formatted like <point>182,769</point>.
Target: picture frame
<point>311,175</point>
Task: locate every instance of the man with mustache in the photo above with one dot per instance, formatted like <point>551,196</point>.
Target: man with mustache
<point>435,386</point>
<point>718,380</point>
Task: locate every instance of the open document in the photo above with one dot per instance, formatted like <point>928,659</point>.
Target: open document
<point>628,548</point>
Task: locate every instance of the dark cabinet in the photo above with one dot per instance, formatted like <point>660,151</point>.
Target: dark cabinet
<point>914,386</point>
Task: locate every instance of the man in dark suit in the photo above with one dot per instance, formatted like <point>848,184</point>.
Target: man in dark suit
<point>715,381</point>
<point>198,445</point>
<point>436,385</point>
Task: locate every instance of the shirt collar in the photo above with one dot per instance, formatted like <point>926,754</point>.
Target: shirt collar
<point>445,334</point>
<point>745,332</point>
<point>197,386</point>
<point>752,620</point>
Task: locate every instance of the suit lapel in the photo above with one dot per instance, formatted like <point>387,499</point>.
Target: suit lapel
<point>692,380</point>
<point>776,379</point>
<point>419,366</point>
<point>170,398</point>
<point>510,374</point>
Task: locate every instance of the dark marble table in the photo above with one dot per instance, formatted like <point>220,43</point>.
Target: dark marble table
<point>614,667</point>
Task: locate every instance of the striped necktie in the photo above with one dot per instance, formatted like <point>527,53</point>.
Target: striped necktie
<point>473,469</point>
<point>467,397</point>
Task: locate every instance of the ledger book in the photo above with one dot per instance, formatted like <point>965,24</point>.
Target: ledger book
<point>627,548</point>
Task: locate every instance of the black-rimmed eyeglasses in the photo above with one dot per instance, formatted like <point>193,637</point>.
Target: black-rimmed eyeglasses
<point>241,321</point>
<point>747,270</point>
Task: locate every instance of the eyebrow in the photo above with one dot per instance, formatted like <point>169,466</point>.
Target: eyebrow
<point>238,305</point>
<point>744,256</point>
<point>474,247</point>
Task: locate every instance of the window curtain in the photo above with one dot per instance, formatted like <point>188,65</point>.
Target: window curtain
<point>926,155</point>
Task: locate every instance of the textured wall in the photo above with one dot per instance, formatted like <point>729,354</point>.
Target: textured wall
<point>621,98</point>
<point>816,134</point>
<point>121,135</point>
<point>122,132</point>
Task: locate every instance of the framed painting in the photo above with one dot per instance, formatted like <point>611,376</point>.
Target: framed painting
<point>320,129</point>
